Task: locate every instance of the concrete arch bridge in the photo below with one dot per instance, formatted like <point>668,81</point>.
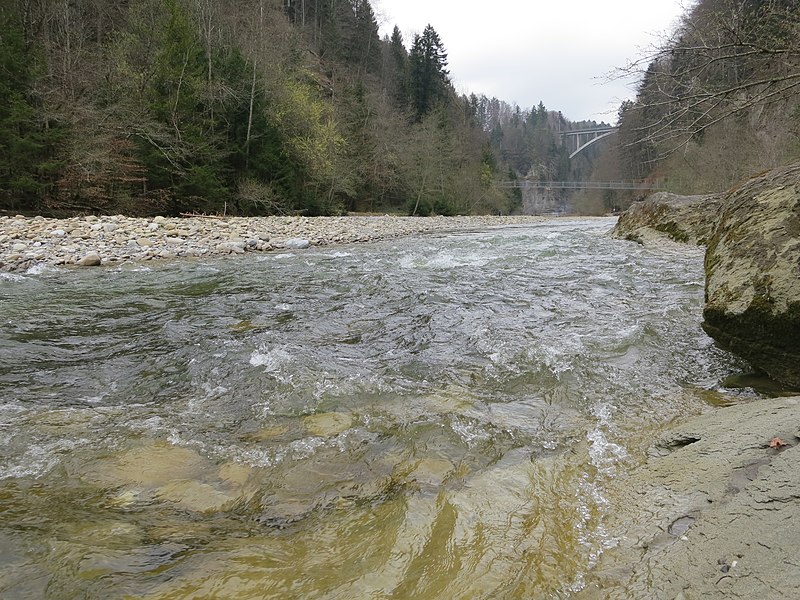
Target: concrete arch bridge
<point>580,139</point>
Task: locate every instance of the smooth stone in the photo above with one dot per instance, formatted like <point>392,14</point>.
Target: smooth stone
<point>328,424</point>
<point>297,244</point>
<point>91,260</point>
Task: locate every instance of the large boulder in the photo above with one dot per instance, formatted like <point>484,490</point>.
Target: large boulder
<point>753,274</point>
<point>688,219</point>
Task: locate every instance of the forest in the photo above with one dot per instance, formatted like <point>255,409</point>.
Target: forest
<point>255,107</point>
<point>717,101</point>
<point>249,107</point>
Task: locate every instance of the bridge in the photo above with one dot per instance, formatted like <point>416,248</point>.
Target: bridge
<point>583,138</point>
<point>581,185</point>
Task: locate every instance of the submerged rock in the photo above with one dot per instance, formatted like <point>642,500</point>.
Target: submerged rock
<point>328,424</point>
<point>688,219</point>
<point>753,275</point>
<point>179,476</point>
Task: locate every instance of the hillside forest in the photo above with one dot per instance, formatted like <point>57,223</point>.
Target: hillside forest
<point>717,102</point>
<point>255,107</point>
<point>249,107</point>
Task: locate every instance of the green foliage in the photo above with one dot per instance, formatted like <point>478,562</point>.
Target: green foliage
<point>28,159</point>
<point>428,74</point>
<point>398,70</point>
<point>290,107</point>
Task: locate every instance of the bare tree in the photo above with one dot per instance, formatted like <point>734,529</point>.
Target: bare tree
<point>726,58</point>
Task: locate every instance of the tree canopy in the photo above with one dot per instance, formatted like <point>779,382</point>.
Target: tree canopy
<point>251,107</point>
<point>718,99</point>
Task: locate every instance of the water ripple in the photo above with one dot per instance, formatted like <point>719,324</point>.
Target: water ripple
<point>433,417</point>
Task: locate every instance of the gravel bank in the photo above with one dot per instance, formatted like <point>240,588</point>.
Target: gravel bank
<point>92,241</point>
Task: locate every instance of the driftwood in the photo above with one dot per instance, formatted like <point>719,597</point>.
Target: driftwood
<point>201,216</point>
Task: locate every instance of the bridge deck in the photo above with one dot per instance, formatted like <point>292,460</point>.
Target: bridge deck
<point>581,185</point>
<point>597,130</point>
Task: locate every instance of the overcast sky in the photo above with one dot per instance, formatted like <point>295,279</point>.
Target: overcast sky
<point>524,51</point>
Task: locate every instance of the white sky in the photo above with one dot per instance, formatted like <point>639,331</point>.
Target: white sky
<point>524,51</point>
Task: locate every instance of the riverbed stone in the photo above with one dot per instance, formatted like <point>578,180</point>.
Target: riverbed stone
<point>297,244</point>
<point>159,471</point>
<point>328,424</point>
<point>753,275</point>
<point>111,236</point>
<point>92,259</point>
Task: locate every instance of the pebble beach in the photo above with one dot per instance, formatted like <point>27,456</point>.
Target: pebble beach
<point>28,242</point>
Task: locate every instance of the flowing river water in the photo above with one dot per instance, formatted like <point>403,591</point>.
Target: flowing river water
<point>434,417</point>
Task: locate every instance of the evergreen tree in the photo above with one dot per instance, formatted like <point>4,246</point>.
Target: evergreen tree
<point>27,156</point>
<point>191,163</point>
<point>428,72</point>
<point>398,69</point>
<point>367,40</point>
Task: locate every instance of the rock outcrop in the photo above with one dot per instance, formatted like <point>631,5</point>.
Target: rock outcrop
<point>688,219</point>
<point>752,264</point>
<point>712,514</point>
<point>753,274</point>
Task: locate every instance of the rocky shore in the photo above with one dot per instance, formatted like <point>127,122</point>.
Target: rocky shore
<point>713,513</point>
<point>684,219</point>
<point>92,241</point>
<point>752,263</point>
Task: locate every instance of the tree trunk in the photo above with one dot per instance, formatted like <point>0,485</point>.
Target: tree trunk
<point>250,119</point>
<point>419,195</point>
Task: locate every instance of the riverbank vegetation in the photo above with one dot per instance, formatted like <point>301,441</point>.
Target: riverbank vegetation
<point>717,102</point>
<point>257,107</point>
<point>248,107</point>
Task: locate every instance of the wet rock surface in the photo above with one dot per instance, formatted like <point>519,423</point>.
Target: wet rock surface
<point>753,275</point>
<point>92,241</point>
<point>714,512</point>
<point>752,264</point>
<point>688,219</point>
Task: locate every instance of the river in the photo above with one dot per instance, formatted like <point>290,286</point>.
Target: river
<point>432,417</point>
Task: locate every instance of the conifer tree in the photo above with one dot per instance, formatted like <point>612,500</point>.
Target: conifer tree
<point>398,69</point>
<point>428,72</point>
<point>367,40</point>
<point>26,163</point>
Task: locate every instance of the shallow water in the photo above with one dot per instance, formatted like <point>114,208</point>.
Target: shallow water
<point>431,417</point>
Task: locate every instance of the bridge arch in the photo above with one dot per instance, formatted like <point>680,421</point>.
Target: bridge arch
<point>590,135</point>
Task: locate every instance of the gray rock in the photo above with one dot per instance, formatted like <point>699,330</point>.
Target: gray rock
<point>688,219</point>
<point>753,274</point>
<point>92,259</point>
<point>296,244</point>
<point>713,512</point>
<point>231,247</point>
